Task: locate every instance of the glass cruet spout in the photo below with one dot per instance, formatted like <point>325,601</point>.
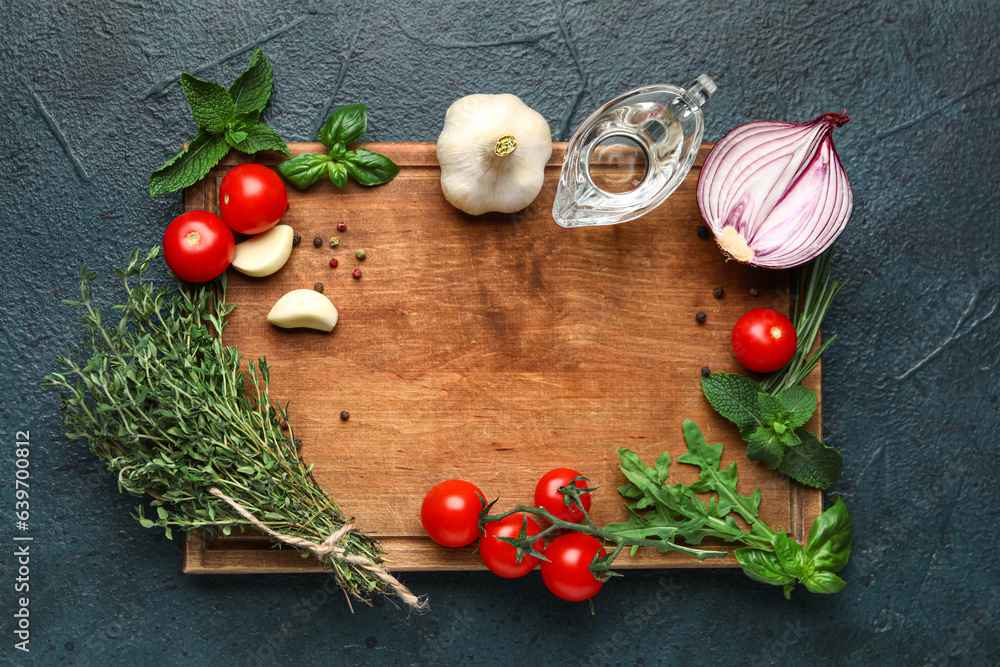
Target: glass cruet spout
<point>631,154</point>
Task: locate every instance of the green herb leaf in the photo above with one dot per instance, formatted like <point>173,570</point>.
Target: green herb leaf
<point>338,174</point>
<point>304,169</point>
<point>234,137</point>
<point>799,403</point>
<point>734,396</point>
<point>829,545</point>
<point>190,165</point>
<point>211,105</point>
<point>261,138</point>
<point>252,88</point>
<point>763,566</point>
<point>790,555</point>
<point>345,125</point>
<point>823,582</point>
<point>811,462</point>
<point>370,168</point>
<point>723,482</point>
<point>766,446</point>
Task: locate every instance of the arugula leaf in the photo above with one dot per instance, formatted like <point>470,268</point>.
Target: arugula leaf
<point>712,478</point>
<point>190,165</point>
<point>812,463</point>
<point>252,88</point>
<point>345,125</point>
<point>370,168</point>
<point>210,103</point>
<point>261,138</point>
<point>304,169</point>
<point>829,545</point>
<point>734,396</point>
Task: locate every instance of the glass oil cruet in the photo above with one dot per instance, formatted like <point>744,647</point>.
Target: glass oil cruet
<point>631,154</point>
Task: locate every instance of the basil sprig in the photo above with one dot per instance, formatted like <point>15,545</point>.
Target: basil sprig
<point>226,118</point>
<point>345,125</point>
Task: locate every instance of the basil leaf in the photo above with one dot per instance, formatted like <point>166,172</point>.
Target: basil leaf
<point>790,554</point>
<point>338,150</point>
<point>305,169</point>
<point>211,105</point>
<point>346,124</point>
<point>763,566</point>
<point>734,396</point>
<point>190,165</point>
<point>370,168</point>
<point>262,138</point>
<point>799,403</point>
<point>811,462</point>
<point>830,537</point>
<point>252,88</point>
<point>823,582</point>
<point>338,174</point>
<point>765,445</point>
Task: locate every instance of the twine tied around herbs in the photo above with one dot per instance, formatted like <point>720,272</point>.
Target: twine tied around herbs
<point>330,547</point>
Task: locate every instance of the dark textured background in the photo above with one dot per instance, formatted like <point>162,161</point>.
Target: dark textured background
<point>910,386</point>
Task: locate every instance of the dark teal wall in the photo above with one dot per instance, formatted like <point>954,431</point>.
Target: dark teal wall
<point>910,391</point>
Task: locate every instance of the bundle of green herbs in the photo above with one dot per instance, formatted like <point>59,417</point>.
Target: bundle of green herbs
<point>177,415</point>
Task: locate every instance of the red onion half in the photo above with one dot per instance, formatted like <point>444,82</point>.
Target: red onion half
<point>775,194</point>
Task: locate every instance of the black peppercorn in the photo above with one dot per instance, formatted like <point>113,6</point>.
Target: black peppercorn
<point>317,241</point>
<point>318,287</point>
<point>704,232</point>
<point>706,371</point>
<point>296,238</point>
<point>753,291</point>
<point>700,317</point>
<point>345,415</point>
<point>718,292</point>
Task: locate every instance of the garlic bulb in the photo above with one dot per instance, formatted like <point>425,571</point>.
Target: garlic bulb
<point>492,152</point>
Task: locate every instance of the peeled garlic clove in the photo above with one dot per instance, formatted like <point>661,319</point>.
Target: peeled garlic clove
<point>303,308</point>
<point>265,253</point>
<point>492,151</point>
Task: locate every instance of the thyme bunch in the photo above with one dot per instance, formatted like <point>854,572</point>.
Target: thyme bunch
<point>174,412</point>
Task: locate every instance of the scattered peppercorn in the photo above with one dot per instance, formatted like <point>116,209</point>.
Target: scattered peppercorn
<point>718,292</point>
<point>357,273</point>
<point>334,262</point>
<point>318,287</point>
<point>753,291</point>
<point>706,372</point>
<point>296,238</point>
<point>341,226</point>
<point>700,317</point>
<point>704,232</point>
<point>361,254</point>
<point>344,415</point>
<point>317,241</point>
<point>334,241</point>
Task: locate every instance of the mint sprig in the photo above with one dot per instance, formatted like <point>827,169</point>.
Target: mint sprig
<point>345,125</point>
<point>226,118</point>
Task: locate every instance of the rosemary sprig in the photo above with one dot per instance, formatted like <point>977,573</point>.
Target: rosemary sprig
<point>814,293</point>
<point>174,412</point>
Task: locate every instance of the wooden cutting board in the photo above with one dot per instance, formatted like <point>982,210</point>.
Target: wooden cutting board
<point>492,349</point>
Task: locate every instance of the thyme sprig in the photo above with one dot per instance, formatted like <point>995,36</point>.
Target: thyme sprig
<point>174,412</point>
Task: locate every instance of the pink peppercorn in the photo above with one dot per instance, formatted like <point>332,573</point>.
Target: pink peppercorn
<point>341,227</point>
<point>357,273</point>
<point>334,262</point>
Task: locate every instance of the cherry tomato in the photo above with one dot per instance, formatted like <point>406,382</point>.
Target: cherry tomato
<point>450,513</point>
<point>764,340</point>
<point>567,572</point>
<point>198,246</point>
<point>501,557</point>
<point>548,497</point>
<point>252,198</point>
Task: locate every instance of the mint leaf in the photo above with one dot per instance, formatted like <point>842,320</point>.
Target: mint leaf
<point>799,402</point>
<point>763,566</point>
<point>252,88</point>
<point>765,445</point>
<point>338,174</point>
<point>305,169</point>
<point>233,137</point>
<point>734,396</point>
<point>370,168</point>
<point>829,545</point>
<point>190,165</point>
<point>211,105</point>
<point>345,125</point>
<point>823,582</point>
<point>244,120</point>
<point>262,138</point>
<point>812,463</point>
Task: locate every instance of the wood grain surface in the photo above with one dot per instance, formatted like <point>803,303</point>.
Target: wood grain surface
<point>491,349</point>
